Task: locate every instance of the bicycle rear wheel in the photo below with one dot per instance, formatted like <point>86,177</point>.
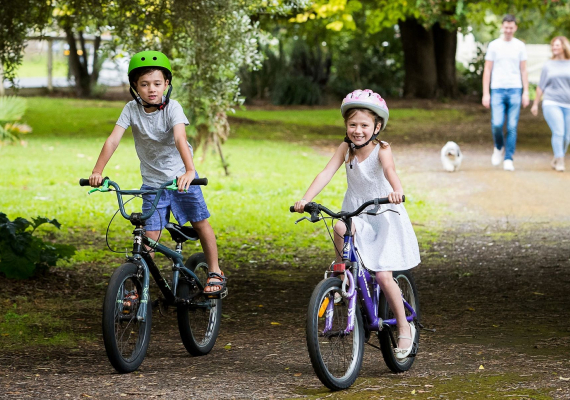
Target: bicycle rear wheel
<point>198,322</point>
<point>408,288</point>
<point>126,338</point>
<point>336,356</point>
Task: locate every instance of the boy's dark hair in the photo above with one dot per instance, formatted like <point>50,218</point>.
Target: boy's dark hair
<point>137,73</point>
<point>510,18</point>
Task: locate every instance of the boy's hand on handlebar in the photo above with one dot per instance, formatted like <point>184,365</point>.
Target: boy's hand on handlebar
<point>300,205</point>
<point>185,180</point>
<point>395,197</point>
<point>96,179</point>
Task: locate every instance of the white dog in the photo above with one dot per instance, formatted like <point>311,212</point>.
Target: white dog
<point>451,157</point>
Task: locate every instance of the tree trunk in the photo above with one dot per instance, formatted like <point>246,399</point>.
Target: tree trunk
<point>419,60</point>
<point>79,65</point>
<point>445,46</point>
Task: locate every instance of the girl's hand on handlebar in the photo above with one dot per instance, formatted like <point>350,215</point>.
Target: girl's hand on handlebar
<point>300,205</point>
<point>185,180</point>
<point>395,197</point>
<point>95,180</point>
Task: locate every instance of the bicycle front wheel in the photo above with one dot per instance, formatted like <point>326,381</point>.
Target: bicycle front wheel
<point>199,321</point>
<point>336,356</point>
<point>409,292</point>
<point>126,338</point>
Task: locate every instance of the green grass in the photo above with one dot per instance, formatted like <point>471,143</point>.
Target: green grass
<point>35,66</point>
<point>31,323</point>
<point>271,164</point>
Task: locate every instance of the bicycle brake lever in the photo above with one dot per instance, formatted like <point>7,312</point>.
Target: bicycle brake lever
<point>300,219</point>
<point>103,188</point>
<point>376,211</point>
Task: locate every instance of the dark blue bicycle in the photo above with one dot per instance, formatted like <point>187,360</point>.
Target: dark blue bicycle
<point>127,311</point>
<point>344,312</point>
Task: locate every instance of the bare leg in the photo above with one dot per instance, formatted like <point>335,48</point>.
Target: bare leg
<point>394,297</point>
<point>210,248</point>
<point>339,231</point>
<point>154,235</point>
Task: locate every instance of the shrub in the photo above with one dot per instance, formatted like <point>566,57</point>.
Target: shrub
<point>12,109</point>
<point>23,255</point>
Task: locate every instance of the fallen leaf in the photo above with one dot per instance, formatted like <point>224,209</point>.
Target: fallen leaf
<point>228,346</point>
<point>481,367</point>
<point>275,323</point>
<point>298,374</point>
<point>470,309</point>
<point>538,293</point>
<point>414,391</point>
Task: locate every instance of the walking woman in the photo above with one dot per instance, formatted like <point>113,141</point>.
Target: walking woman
<point>555,86</point>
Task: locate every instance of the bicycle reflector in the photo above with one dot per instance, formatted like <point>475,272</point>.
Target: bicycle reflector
<point>339,267</point>
<point>323,308</point>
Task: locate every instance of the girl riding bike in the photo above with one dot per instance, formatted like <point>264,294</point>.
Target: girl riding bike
<point>387,241</point>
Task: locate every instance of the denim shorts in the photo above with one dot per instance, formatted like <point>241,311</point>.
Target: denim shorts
<point>185,206</point>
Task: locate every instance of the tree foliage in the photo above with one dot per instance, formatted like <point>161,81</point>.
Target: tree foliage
<point>208,42</point>
<point>17,19</point>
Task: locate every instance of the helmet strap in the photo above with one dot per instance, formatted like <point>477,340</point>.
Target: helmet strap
<point>160,106</point>
<point>356,147</point>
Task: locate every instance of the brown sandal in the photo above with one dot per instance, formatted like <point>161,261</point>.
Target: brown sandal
<point>221,283</point>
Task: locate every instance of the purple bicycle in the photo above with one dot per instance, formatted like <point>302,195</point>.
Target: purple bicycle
<point>344,312</point>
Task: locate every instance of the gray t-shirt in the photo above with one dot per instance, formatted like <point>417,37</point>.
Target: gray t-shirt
<point>555,81</point>
<point>154,140</point>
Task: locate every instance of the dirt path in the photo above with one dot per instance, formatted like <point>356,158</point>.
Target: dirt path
<point>494,288</point>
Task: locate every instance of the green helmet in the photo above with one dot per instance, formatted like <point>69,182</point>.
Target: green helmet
<point>150,58</point>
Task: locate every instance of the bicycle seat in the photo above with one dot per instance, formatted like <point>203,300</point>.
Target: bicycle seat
<point>180,234</point>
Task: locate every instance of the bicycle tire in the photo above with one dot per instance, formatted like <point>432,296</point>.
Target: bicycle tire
<point>126,338</point>
<point>407,286</point>
<point>198,326</point>
<point>336,361</point>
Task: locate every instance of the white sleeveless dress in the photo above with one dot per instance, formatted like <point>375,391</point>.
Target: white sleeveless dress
<point>386,242</point>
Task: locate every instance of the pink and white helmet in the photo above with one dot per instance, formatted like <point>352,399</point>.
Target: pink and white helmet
<point>366,99</point>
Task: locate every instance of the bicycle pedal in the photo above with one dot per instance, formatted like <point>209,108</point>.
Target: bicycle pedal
<point>218,295</point>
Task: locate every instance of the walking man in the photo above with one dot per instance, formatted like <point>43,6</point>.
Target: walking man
<point>505,87</point>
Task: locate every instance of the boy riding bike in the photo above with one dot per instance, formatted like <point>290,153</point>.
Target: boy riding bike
<point>158,125</point>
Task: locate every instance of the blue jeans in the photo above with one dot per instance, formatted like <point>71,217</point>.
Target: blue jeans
<point>558,119</point>
<point>505,102</point>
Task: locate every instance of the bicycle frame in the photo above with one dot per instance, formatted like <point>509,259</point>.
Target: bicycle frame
<point>365,287</point>
<point>143,259</point>
<point>145,262</point>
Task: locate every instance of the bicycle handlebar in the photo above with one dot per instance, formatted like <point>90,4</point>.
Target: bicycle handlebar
<point>314,208</point>
<point>168,185</point>
<point>197,181</point>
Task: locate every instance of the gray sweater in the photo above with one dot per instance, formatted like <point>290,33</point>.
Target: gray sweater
<point>555,81</point>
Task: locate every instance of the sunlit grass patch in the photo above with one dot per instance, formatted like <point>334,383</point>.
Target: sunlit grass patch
<point>271,164</point>
<point>49,322</point>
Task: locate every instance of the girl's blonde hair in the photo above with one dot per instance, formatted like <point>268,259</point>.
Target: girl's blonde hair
<point>565,46</point>
<point>377,120</point>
